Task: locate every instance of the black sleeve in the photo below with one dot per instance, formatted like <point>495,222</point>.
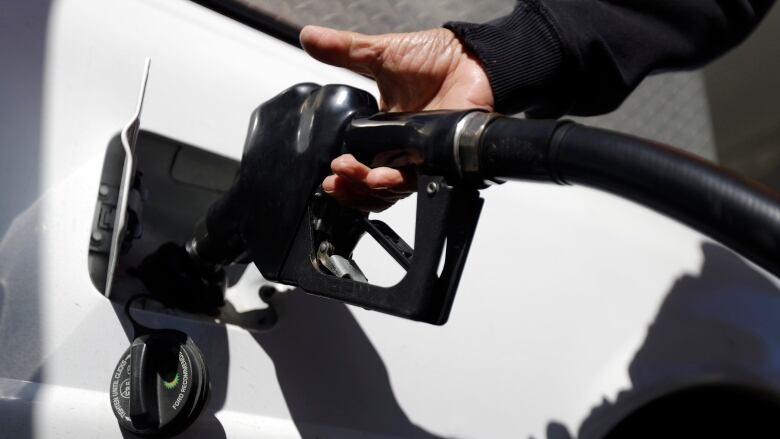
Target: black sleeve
<point>583,57</point>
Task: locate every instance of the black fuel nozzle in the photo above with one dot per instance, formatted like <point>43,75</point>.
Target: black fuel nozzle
<point>276,215</point>
<point>180,281</point>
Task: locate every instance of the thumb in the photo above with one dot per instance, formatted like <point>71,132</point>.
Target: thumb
<point>352,50</point>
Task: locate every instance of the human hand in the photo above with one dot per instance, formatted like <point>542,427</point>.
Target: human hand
<point>415,71</point>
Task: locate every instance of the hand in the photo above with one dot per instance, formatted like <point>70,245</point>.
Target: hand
<point>426,70</point>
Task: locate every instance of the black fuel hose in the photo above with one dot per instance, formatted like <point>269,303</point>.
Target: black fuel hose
<point>739,213</point>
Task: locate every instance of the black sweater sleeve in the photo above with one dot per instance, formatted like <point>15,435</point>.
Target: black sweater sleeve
<point>583,57</point>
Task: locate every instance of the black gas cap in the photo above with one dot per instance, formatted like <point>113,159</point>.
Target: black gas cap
<point>160,384</point>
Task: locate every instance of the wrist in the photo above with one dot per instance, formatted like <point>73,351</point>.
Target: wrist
<point>522,56</point>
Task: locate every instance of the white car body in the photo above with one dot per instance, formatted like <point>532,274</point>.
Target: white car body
<point>570,297</point>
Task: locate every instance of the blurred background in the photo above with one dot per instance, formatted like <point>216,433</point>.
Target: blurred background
<point>729,112</point>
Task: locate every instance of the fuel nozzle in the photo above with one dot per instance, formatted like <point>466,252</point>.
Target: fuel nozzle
<point>177,280</point>
<point>276,216</point>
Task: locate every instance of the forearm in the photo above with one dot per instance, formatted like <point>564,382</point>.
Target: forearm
<point>554,57</point>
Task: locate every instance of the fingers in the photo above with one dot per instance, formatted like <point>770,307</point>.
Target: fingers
<point>350,195</point>
<point>348,167</point>
<point>352,50</point>
<point>327,45</point>
<point>397,181</point>
<point>356,185</point>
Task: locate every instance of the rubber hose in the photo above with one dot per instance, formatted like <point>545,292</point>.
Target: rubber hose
<point>739,213</point>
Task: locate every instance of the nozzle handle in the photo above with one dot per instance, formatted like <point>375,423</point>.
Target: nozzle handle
<point>424,138</point>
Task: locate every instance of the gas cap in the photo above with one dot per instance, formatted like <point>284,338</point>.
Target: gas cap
<point>160,384</point>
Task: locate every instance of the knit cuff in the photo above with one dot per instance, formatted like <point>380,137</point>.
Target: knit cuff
<point>523,57</point>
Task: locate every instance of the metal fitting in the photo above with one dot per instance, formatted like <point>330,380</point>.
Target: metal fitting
<point>468,133</point>
<point>432,188</point>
